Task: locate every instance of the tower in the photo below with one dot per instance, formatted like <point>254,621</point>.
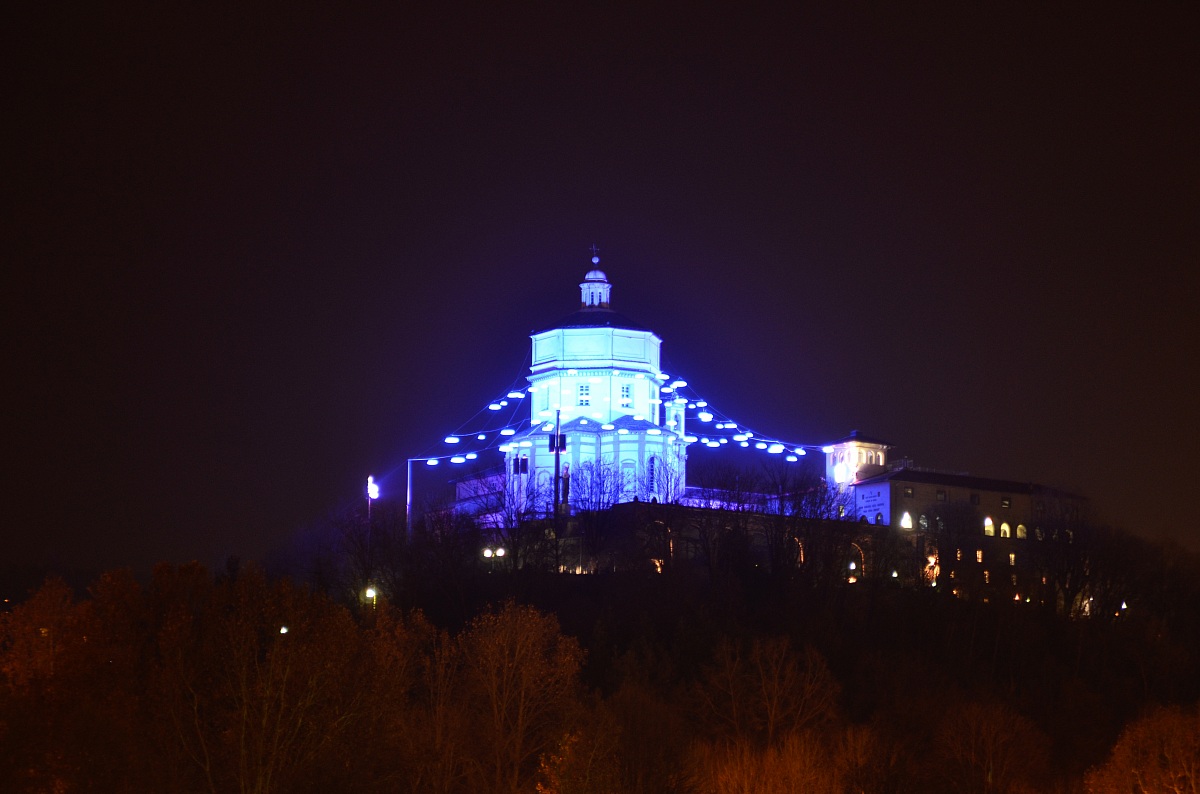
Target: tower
<point>855,457</point>
<point>596,385</point>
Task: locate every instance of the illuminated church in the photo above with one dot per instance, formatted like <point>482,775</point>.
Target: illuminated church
<point>596,423</point>
<point>603,417</point>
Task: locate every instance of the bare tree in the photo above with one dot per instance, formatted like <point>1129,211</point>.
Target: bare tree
<point>661,479</point>
<point>596,487</point>
<point>766,689</point>
<point>509,509</point>
<point>1158,752</point>
<point>988,748</point>
<point>521,677</point>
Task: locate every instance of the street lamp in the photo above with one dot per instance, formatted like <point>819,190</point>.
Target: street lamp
<point>492,553</point>
<point>372,494</point>
<point>371,594</point>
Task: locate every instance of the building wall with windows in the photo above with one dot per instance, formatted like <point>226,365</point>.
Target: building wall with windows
<point>596,391</point>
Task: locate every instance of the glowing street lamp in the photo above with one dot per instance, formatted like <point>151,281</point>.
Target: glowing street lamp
<point>372,494</point>
<point>371,595</point>
<point>493,553</point>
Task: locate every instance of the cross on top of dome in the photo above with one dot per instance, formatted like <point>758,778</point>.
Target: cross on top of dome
<point>595,289</point>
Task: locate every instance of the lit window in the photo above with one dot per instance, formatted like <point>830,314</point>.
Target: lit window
<point>879,518</point>
<point>908,492</point>
<point>987,578</point>
<point>1006,501</point>
<point>585,394</point>
<point>958,554</point>
<point>979,555</point>
<point>1022,533</point>
<point>1012,559</point>
<point>989,528</point>
<point>1005,530</point>
<point>923,522</point>
<point>906,521</point>
<point>880,458</point>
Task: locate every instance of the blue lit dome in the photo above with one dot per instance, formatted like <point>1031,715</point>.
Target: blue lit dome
<point>595,275</point>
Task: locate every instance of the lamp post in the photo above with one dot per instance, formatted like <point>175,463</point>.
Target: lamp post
<point>372,495</point>
<point>492,554</point>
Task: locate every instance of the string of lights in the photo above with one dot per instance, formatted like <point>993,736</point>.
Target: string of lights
<point>497,421</point>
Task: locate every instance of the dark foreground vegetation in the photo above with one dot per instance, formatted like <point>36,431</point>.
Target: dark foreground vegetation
<point>475,678</point>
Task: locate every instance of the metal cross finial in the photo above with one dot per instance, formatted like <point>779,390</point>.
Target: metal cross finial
<point>595,250</point>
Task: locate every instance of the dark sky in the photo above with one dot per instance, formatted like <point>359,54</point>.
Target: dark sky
<point>258,254</point>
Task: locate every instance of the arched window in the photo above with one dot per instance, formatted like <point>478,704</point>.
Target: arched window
<point>989,528</point>
<point>1005,530</point>
<point>923,522</point>
<point>906,521</point>
<point>879,518</point>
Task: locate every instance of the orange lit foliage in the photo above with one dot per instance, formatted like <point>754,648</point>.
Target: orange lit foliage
<point>71,677</point>
<point>1158,753</point>
<point>585,761</point>
<point>988,747</point>
<point>521,681</point>
<point>766,690</point>
<point>800,763</point>
<point>253,708</point>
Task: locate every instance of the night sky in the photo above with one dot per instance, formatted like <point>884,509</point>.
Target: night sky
<point>256,255</point>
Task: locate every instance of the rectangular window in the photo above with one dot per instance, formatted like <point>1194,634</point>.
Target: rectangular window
<point>979,555</point>
<point>1012,559</point>
<point>626,396</point>
<point>908,493</point>
<point>585,394</point>
<point>941,495</point>
<point>974,498</point>
<point>1006,501</point>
